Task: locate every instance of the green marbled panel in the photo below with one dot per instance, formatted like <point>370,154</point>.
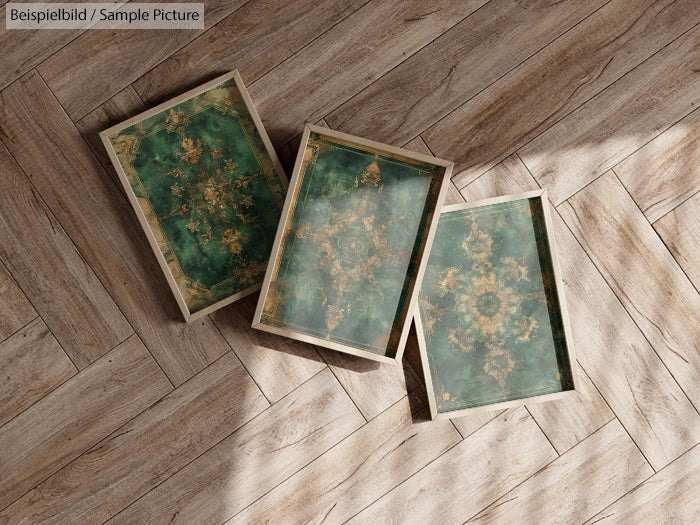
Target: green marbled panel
<point>489,308</point>
<point>350,249</point>
<point>209,190</point>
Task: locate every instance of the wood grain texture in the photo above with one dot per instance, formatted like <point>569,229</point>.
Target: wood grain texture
<point>348,477</point>
<point>666,171</point>
<point>619,120</point>
<point>455,67</point>
<point>120,107</point>
<point>278,364</point>
<point>32,364</point>
<point>668,497</point>
<point>680,231</point>
<point>76,415</point>
<point>15,308</point>
<point>68,295</point>
<point>489,462</point>
<point>146,450</point>
<point>105,70</point>
<point>229,477</point>
<point>103,226</point>
<point>643,274</point>
<point>588,477</point>
<point>547,86</point>
<point>612,351</point>
<point>260,35</point>
<point>347,58</point>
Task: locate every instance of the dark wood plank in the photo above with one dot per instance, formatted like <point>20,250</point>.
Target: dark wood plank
<point>278,364</point>
<point>643,274</point>
<point>608,463</point>
<point>257,37</point>
<point>666,171</point>
<point>455,67</point>
<point>557,79</point>
<point>146,450</point>
<point>228,477</point>
<point>15,308</point>
<point>618,121</point>
<point>347,58</point>
<point>32,364</point>
<point>75,416</point>
<point>670,496</point>
<point>107,61</point>
<point>120,107</point>
<point>612,351</point>
<point>103,226</point>
<point>466,478</point>
<point>68,295</point>
<point>680,231</point>
<point>350,475</point>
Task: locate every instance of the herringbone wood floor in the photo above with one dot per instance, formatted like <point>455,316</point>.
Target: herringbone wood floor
<point>112,409</point>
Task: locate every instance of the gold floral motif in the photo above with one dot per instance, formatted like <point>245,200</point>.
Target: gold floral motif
<point>191,150</point>
<point>498,364</point>
<point>525,326</point>
<point>371,174</point>
<point>176,120</point>
<point>448,280</point>
<point>232,240</point>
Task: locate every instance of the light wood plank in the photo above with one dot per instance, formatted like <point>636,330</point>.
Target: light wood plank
<point>104,68</point>
<point>613,352</point>
<point>347,58</point>
<point>666,171</point>
<point>608,463</point>
<point>553,82</point>
<point>278,365</point>
<point>254,459</point>
<point>77,414</point>
<point>643,274</point>
<point>680,231</point>
<point>670,496</point>
<point>467,425</point>
<point>69,296</point>
<point>260,35</point>
<point>455,67</point>
<point>15,308</point>
<point>32,364</point>
<point>350,475</point>
<point>373,386</point>
<point>454,487</point>
<point>24,49</point>
<point>120,107</point>
<point>146,450</point>
<point>103,226</point>
<point>616,122</point>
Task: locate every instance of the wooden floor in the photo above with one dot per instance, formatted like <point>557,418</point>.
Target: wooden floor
<point>112,409</point>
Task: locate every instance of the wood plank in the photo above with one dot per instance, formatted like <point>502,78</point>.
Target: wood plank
<point>373,386</point>
<point>455,67</point>
<point>666,171</point>
<point>612,351</point>
<point>466,478</point>
<point>618,121</point>
<point>680,231</point>
<point>643,274</point>
<point>670,496</point>
<point>105,69</point>
<point>32,364</point>
<point>553,82</point>
<point>68,294</point>
<point>608,461</point>
<point>228,477</point>
<point>103,226</point>
<point>24,49</point>
<point>278,364</point>
<point>120,107</point>
<point>15,308</point>
<point>347,58</point>
<point>77,414</point>
<point>146,450</point>
<point>350,475</point>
